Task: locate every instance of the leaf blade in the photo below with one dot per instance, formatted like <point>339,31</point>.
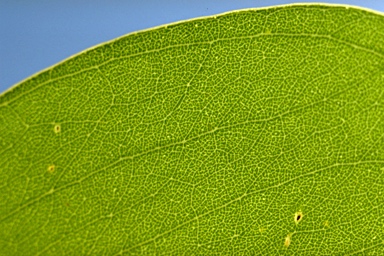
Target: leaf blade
<point>203,137</point>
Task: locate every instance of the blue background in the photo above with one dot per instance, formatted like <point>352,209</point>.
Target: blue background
<point>37,34</point>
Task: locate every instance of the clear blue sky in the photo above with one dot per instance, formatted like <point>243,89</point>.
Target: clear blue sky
<point>39,33</point>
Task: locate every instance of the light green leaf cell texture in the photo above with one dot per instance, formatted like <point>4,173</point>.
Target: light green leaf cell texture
<point>252,132</point>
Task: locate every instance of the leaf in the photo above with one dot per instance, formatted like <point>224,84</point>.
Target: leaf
<point>252,132</point>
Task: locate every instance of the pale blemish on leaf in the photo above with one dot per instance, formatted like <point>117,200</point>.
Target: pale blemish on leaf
<point>57,128</point>
<point>51,169</point>
<point>298,217</point>
<point>287,240</point>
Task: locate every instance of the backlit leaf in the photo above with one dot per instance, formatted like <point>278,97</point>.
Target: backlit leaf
<point>253,132</point>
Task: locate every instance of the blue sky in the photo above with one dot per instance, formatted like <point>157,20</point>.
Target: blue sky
<point>37,34</point>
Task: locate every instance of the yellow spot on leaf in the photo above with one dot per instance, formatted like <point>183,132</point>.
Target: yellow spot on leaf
<point>51,168</point>
<point>57,128</point>
<point>326,223</point>
<point>298,217</point>
<point>287,241</point>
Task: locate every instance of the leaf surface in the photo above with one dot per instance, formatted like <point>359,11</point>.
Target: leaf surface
<point>252,132</point>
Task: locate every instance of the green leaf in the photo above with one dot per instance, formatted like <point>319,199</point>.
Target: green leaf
<point>252,132</point>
